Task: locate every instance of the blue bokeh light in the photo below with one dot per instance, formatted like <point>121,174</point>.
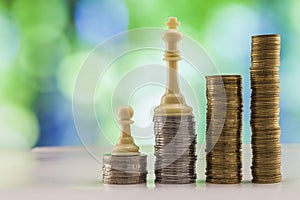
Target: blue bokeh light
<point>97,20</point>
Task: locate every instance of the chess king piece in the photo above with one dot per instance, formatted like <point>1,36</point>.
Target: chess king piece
<point>173,102</point>
<point>174,125</point>
<point>125,144</point>
<point>125,165</point>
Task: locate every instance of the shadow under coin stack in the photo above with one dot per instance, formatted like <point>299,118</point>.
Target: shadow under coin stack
<point>174,125</point>
<point>265,85</point>
<point>223,129</point>
<point>125,165</point>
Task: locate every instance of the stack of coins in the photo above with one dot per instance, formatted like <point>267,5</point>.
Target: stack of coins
<point>223,129</point>
<point>175,147</point>
<point>265,84</point>
<point>124,169</point>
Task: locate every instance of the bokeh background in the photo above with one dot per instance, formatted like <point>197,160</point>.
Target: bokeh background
<point>44,42</point>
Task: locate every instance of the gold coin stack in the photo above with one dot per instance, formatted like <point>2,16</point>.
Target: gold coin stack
<point>265,85</point>
<point>223,129</point>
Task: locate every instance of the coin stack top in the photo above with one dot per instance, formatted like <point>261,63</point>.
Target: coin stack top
<point>223,129</point>
<point>265,85</point>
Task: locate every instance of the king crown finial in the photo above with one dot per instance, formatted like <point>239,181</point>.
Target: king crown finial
<point>172,23</point>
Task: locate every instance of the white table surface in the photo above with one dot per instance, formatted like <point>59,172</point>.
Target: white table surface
<point>72,173</point>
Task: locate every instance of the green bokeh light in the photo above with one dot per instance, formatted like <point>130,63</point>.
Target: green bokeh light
<point>32,12</point>
<point>67,72</point>
<point>18,126</point>
<point>9,41</point>
<point>40,52</point>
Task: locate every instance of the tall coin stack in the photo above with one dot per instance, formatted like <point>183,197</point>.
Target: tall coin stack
<point>223,129</point>
<point>125,165</point>
<point>265,85</point>
<point>175,149</point>
<point>174,125</point>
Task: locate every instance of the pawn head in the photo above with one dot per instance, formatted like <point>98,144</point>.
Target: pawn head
<point>125,113</point>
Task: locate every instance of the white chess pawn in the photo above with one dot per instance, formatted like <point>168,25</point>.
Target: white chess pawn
<point>125,145</point>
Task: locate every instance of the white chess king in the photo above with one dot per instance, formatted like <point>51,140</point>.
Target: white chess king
<point>172,103</point>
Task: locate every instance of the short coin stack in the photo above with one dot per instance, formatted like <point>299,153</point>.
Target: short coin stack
<point>175,147</point>
<point>265,85</point>
<point>124,169</point>
<point>223,129</point>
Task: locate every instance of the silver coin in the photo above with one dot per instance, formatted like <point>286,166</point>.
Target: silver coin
<point>124,169</point>
<point>175,149</point>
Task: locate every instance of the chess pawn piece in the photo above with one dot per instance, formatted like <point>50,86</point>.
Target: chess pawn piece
<point>125,165</point>
<point>125,145</point>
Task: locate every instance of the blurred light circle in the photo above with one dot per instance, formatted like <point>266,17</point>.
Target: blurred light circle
<point>32,12</point>
<point>18,127</point>
<point>41,34</point>
<point>43,48</point>
<point>144,114</point>
<point>93,71</point>
<point>9,41</point>
<point>97,20</point>
<point>294,14</point>
<point>229,32</point>
<point>67,72</point>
